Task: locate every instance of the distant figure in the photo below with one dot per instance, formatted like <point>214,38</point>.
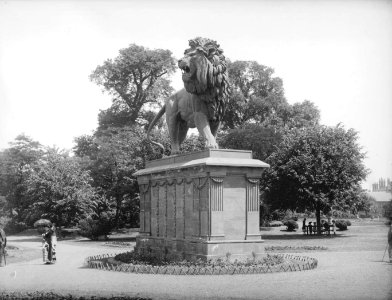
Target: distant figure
<point>304,225</point>
<point>390,243</point>
<point>310,227</point>
<point>49,245</point>
<point>326,227</point>
<point>333,226</point>
<point>3,244</point>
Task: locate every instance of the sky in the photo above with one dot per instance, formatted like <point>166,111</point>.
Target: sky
<point>337,54</point>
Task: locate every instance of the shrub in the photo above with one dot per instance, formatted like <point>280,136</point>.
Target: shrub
<point>93,229</point>
<point>12,226</point>
<point>291,225</point>
<point>138,258</point>
<point>275,224</point>
<point>341,224</point>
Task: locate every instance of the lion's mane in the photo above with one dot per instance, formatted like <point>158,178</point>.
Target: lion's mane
<point>212,84</point>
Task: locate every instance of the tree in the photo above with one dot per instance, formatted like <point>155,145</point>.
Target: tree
<point>257,96</point>
<point>15,165</point>
<point>137,78</point>
<point>315,168</point>
<point>258,114</point>
<point>257,138</point>
<point>58,189</point>
<point>113,156</point>
<point>303,114</point>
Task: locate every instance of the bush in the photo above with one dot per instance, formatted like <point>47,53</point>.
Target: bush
<point>93,229</point>
<point>138,258</point>
<point>275,224</point>
<point>12,226</point>
<point>291,225</point>
<point>342,224</point>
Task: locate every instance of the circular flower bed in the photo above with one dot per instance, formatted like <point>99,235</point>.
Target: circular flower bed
<point>132,262</point>
<point>294,249</point>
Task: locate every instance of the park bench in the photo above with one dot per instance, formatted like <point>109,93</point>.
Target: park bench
<point>310,230</point>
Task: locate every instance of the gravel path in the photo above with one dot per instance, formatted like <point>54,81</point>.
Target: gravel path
<point>340,275</point>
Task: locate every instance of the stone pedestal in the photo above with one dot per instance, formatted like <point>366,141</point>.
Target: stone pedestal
<point>201,205</point>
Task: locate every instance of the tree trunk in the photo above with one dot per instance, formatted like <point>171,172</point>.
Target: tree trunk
<point>318,218</point>
<point>118,208</point>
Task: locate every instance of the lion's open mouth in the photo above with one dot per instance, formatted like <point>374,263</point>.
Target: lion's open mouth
<point>185,69</point>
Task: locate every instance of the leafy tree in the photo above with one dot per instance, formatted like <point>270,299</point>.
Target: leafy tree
<point>261,140</point>
<point>137,79</point>
<point>257,96</point>
<point>258,114</point>
<point>316,168</point>
<point>59,189</point>
<point>303,114</point>
<point>113,156</point>
<point>15,165</point>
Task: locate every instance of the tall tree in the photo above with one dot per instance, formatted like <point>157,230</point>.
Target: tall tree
<point>114,155</point>
<point>15,165</point>
<point>137,78</point>
<point>316,168</point>
<point>257,96</point>
<point>58,189</point>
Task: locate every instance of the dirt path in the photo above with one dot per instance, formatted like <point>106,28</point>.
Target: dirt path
<point>340,275</point>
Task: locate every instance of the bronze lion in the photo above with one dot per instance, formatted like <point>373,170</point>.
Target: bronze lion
<point>201,103</point>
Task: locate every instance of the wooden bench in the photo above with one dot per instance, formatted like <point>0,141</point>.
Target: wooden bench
<point>313,230</point>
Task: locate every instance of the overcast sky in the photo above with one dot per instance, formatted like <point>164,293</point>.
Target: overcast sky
<point>337,54</point>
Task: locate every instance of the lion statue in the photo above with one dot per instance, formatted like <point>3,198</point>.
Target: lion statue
<point>201,103</point>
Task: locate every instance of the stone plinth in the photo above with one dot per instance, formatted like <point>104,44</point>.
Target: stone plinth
<point>201,205</point>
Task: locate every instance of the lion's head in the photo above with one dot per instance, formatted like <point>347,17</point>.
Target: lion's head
<point>204,73</point>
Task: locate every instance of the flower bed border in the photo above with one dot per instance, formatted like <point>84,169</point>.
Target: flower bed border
<point>296,263</point>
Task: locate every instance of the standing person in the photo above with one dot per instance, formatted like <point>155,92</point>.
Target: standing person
<point>390,243</point>
<point>3,244</point>
<point>304,225</point>
<point>48,251</point>
<point>54,242</point>
<point>333,226</point>
<point>310,227</point>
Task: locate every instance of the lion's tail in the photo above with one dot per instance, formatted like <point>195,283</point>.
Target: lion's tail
<point>152,124</point>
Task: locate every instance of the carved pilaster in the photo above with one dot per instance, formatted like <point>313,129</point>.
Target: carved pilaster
<point>252,194</point>
<point>252,209</point>
<point>144,189</point>
<point>216,193</point>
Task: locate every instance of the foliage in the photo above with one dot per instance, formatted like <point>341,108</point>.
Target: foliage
<point>16,163</point>
<point>138,258</point>
<point>255,137</point>
<point>317,168</point>
<point>12,226</point>
<point>342,224</point>
<point>291,225</point>
<point>39,295</point>
<point>256,94</point>
<point>58,190</point>
<point>137,78</point>
<point>112,156</point>
<point>258,98</point>
<point>94,228</point>
<point>342,214</point>
<point>294,248</point>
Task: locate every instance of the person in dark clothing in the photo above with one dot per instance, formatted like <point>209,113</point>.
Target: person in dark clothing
<point>304,225</point>
<point>390,243</point>
<point>3,244</point>
<point>49,245</point>
<point>326,227</point>
<point>310,227</point>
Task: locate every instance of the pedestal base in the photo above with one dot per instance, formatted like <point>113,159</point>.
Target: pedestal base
<point>199,249</point>
<point>201,205</point>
